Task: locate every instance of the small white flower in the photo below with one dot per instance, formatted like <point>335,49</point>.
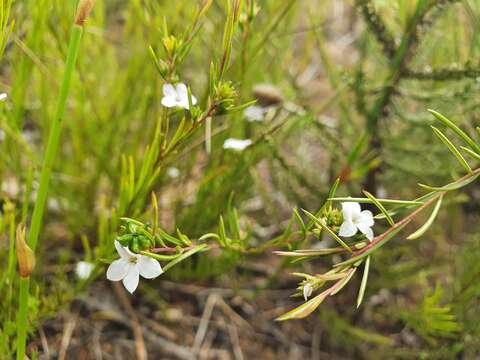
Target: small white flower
<point>176,96</point>
<point>173,172</point>
<point>3,96</point>
<point>237,144</point>
<point>130,266</point>
<point>84,269</point>
<point>254,113</point>
<point>355,219</point>
<point>307,291</point>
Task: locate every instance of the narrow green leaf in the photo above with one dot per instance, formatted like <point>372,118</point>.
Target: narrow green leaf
<point>209,236</point>
<point>453,149</point>
<point>378,245</point>
<point>379,205</point>
<point>468,140</point>
<point>305,309</point>
<point>310,252</point>
<point>452,186</point>
<point>470,152</point>
<point>185,256</point>
<point>363,284</point>
<point>423,229</point>
<point>331,194</point>
<point>299,220</point>
<point>341,284</point>
<point>328,230</point>
<point>328,202</point>
<point>166,236</point>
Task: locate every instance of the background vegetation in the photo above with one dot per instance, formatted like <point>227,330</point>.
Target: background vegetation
<point>346,85</point>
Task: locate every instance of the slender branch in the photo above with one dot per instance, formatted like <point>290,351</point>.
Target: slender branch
<point>444,74</point>
<point>377,27</point>
<point>408,218</point>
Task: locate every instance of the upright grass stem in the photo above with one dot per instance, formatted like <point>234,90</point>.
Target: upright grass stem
<point>50,155</point>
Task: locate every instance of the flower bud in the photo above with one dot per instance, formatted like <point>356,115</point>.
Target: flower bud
<point>307,291</point>
<point>171,44</point>
<point>25,255</point>
<point>83,10</point>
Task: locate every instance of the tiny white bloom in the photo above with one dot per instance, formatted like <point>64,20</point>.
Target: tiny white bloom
<point>173,172</point>
<point>176,96</point>
<point>254,113</point>
<point>237,144</point>
<point>84,269</point>
<point>307,291</point>
<point>3,96</point>
<point>130,266</point>
<point>355,219</point>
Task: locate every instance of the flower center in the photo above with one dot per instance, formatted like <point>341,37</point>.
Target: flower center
<point>132,260</point>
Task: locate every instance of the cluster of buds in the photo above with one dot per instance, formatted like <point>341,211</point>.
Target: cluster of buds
<point>224,95</point>
<point>136,236</point>
<point>333,219</point>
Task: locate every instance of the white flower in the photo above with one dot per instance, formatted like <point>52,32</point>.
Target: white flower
<point>3,96</point>
<point>176,96</point>
<point>84,269</point>
<point>130,266</point>
<point>355,219</point>
<point>254,113</point>
<point>173,172</point>
<point>237,144</point>
<point>307,291</point>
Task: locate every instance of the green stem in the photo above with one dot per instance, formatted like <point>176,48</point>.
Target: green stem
<point>50,155</point>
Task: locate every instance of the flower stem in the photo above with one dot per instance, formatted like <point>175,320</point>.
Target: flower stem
<point>49,159</point>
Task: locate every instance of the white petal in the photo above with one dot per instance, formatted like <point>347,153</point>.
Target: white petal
<point>347,229</point>
<point>122,251</point>
<point>366,230</point>
<point>366,218</point>
<point>350,209</point>
<point>182,91</point>
<point>149,268</point>
<point>237,144</point>
<point>184,104</point>
<point>254,113</point>
<point>194,100</point>
<point>3,96</point>
<point>117,270</point>
<point>169,90</point>
<point>131,280</point>
<point>169,101</point>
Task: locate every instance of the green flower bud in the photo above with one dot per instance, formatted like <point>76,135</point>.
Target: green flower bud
<point>144,242</point>
<point>134,245</point>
